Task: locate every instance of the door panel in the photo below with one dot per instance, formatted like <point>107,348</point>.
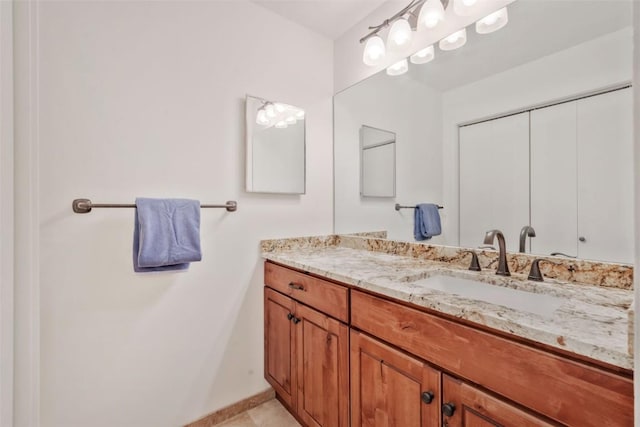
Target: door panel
<point>387,387</point>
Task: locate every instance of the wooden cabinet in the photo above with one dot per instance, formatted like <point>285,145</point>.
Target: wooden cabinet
<point>398,355</point>
<point>389,388</point>
<point>467,406</point>
<point>307,360</point>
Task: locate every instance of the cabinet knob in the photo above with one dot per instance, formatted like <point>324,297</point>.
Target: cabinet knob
<point>427,397</point>
<point>448,409</point>
<point>290,316</point>
<point>296,320</point>
<point>582,239</point>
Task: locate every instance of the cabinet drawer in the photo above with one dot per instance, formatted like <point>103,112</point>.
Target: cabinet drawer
<point>324,296</point>
<point>564,390</point>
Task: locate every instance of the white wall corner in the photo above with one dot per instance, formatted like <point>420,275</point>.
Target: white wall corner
<point>26,225</point>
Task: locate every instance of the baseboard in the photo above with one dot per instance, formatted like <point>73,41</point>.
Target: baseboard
<point>232,410</point>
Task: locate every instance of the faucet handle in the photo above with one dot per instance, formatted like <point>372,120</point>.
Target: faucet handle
<point>535,274</point>
<point>475,264</point>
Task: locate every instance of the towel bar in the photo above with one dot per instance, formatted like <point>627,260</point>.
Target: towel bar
<point>398,207</point>
<point>85,205</point>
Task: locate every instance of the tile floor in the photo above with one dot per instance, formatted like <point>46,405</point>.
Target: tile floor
<point>269,414</point>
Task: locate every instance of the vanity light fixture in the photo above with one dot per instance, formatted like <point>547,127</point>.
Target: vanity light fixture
<point>400,35</point>
<point>261,117</point>
<point>281,125</point>
<point>278,115</point>
<point>374,51</point>
<point>431,14</point>
<point>465,7</point>
<point>454,41</point>
<point>398,68</point>
<point>423,56</point>
<point>492,22</point>
<point>290,120</point>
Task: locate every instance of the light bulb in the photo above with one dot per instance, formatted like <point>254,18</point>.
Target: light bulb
<point>281,125</point>
<point>423,56</point>
<point>279,108</point>
<point>290,120</point>
<point>454,41</point>
<point>374,51</point>
<point>300,114</point>
<point>398,68</point>
<point>465,7</point>
<point>400,35</point>
<point>261,118</point>
<point>271,111</point>
<point>493,22</point>
<point>431,14</point>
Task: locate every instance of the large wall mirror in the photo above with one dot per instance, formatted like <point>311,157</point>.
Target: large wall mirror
<point>275,147</point>
<point>527,126</point>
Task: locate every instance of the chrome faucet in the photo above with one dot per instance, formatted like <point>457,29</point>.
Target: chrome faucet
<point>503,268</point>
<point>527,230</point>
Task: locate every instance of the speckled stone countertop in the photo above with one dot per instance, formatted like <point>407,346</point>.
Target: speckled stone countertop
<point>592,320</point>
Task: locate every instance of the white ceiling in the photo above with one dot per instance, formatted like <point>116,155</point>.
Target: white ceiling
<point>536,28</point>
<point>331,18</point>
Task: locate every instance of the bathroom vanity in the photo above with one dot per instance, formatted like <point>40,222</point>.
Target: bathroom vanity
<point>363,331</point>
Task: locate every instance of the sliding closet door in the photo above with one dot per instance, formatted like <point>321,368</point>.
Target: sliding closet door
<point>605,177</point>
<point>494,179</point>
<point>554,204</point>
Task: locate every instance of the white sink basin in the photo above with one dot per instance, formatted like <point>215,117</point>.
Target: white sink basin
<point>541,304</point>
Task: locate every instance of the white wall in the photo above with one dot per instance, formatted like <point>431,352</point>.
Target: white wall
<point>349,68</point>
<point>596,64</point>
<point>147,98</point>
<point>636,107</point>
<point>413,112</point>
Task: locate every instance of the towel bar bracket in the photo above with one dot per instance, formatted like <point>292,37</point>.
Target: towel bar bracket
<point>83,206</point>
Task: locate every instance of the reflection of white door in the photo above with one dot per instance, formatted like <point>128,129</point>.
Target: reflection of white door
<point>554,202</point>
<point>494,179</point>
<point>605,177</point>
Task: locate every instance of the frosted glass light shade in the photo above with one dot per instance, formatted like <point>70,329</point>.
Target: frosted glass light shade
<point>423,56</point>
<point>400,35</point>
<point>431,14</point>
<point>374,51</point>
<point>280,108</point>
<point>290,120</point>
<point>493,22</point>
<point>465,7</point>
<point>454,41</point>
<point>281,125</point>
<point>300,115</point>
<point>271,111</point>
<point>398,68</point>
<point>261,118</point>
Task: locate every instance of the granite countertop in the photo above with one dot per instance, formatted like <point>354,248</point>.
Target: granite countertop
<point>588,320</point>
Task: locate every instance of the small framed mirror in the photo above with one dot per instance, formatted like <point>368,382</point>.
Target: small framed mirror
<point>275,147</point>
<point>377,162</point>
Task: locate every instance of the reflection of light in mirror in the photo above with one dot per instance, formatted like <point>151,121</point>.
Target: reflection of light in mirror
<point>271,111</point>
<point>431,14</point>
<point>493,22</point>
<point>300,114</point>
<point>262,118</point>
<point>374,51</point>
<point>398,68</point>
<point>454,41</point>
<point>290,120</point>
<point>423,56</point>
<point>281,125</point>
<point>280,108</point>
<point>399,35</point>
<point>465,7</point>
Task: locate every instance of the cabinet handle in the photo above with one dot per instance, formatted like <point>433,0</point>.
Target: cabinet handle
<point>427,397</point>
<point>296,320</point>
<point>296,286</point>
<point>448,409</point>
<point>290,316</point>
<point>582,239</point>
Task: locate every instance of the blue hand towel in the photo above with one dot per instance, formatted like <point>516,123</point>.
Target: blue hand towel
<point>426,221</point>
<point>166,235</point>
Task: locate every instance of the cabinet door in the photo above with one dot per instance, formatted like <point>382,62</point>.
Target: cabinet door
<point>323,369</point>
<point>494,179</point>
<point>605,177</point>
<point>466,406</point>
<point>279,345</point>
<point>554,204</point>
<point>387,387</point>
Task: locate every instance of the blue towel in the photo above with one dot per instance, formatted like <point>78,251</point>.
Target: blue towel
<point>426,221</point>
<point>166,235</point>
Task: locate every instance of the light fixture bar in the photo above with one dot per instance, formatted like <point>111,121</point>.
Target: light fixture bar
<point>409,9</point>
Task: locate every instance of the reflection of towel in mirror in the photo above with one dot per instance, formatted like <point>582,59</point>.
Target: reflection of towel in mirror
<point>166,234</point>
<point>426,221</point>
